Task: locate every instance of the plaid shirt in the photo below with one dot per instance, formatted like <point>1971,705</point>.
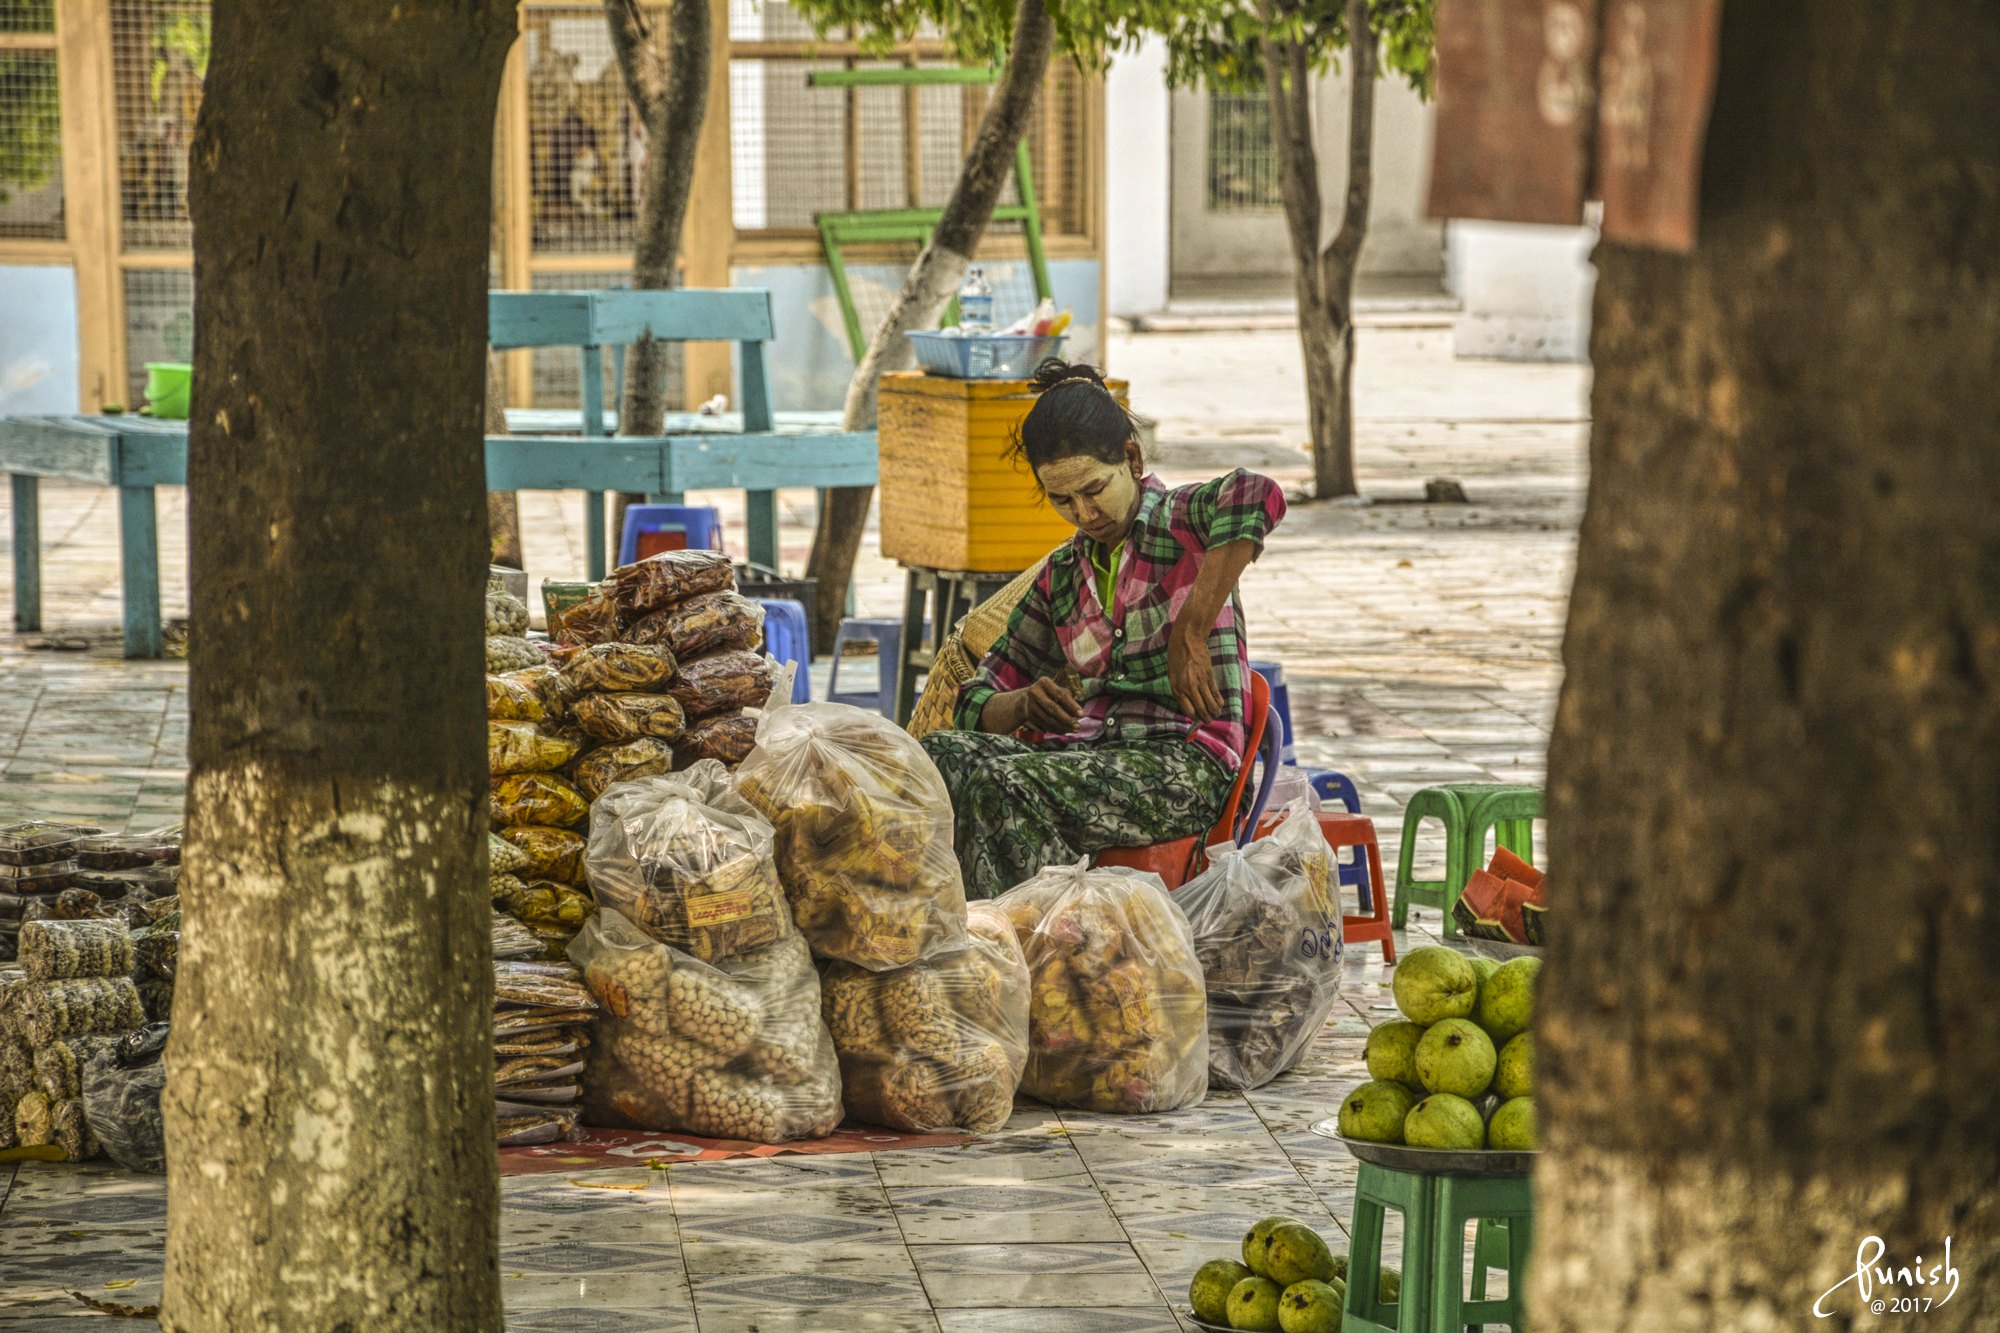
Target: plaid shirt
<point>1122,654</point>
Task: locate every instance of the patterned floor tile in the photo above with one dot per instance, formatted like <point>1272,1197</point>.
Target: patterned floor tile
<point>707,1258</point>
<point>851,1319</point>
<point>809,1291</point>
<point>575,1257</point>
<point>1033,1213</point>
<point>790,1228</point>
<point>599,1319</point>
<point>1019,1276</point>
<point>983,1164</point>
<point>1136,1319</point>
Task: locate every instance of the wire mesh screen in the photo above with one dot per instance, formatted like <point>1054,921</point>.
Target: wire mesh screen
<point>159,58</point>
<point>159,322</point>
<point>586,149</point>
<point>1242,157</point>
<point>27,15</point>
<point>31,192</point>
<point>558,371</point>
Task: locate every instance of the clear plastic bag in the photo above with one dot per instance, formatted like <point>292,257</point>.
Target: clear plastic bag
<point>615,667</point>
<point>505,614</point>
<point>523,747</point>
<point>49,1010</point>
<point>689,862</point>
<point>129,851</point>
<point>511,939</point>
<point>506,652</point>
<point>727,739</point>
<point>736,1051</point>
<point>669,577</point>
<point>710,623</point>
<point>121,1103</point>
<point>864,834</point>
<point>59,950</point>
<point>546,683</point>
<point>540,985</point>
<point>649,756</point>
<point>725,682</point>
<point>35,842</point>
<point>553,853</point>
<point>592,620</point>
<point>544,902</point>
<point>511,699</point>
<point>1267,935</point>
<point>537,798</point>
<point>622,717</point>
<point>34,1120</point>
<point>1117,1020</point>
<point>503,857</point>
<point>940,1043</point>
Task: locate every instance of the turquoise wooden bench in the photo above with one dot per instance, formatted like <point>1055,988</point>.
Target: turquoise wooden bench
<point>137,454</point>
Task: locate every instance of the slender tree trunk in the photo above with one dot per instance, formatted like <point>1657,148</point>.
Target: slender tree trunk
<point>1771,1017</point>
<point>1324,277</point>
<point>926,292</point>
<point>329,1113</point>
<point>503,508</point>
<point>670,97</point>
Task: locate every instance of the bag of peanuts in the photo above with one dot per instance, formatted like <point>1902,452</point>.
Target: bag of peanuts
<point>731,1051</point>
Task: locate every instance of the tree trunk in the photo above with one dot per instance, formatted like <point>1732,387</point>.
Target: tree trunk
<point>1771,1018</point>
<point>503,508</point>
<point>670,97</point>
<point>329,1114</point>
<point>933,280</point>
<point>1324,277</point>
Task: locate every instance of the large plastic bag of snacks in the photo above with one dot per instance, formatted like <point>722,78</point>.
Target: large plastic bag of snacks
<point>725,682</point>
<point>936,1044</point>
<point>505,615</point>
<point>617,667</point>
<point>727,739</point>
<point>1267,936</point>
<point>511,699</point>
<point>121,1100</point>
<point>864,833</point>
<point>591,620</point>
<point>59,950</point>
<point>522,747</point>
<point>505,652</point>
<point>546,682</point>
<point>553,853</point>
<point>537,798</point>
<point>1116,1017</point>
<point>53,1009</point>
<point>712,622</point>
<point>544,902</point>
<point>736,1050</point>
<point>669,577</point>
<point>649,756</point>
<point>626,716</point>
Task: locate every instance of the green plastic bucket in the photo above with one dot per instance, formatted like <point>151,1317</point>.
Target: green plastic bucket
<point>167,389</point>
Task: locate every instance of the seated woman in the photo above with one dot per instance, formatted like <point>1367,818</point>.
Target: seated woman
<point>1140,605</point>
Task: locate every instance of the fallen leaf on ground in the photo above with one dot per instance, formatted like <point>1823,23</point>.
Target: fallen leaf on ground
<point>602,1185</point>
<point>121,1284</point>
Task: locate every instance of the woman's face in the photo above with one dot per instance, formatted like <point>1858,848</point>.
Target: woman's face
<point>1099,498</point>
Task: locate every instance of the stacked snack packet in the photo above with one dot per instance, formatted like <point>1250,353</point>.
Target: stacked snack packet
<point>74,995</point>
<point>540,1012</point>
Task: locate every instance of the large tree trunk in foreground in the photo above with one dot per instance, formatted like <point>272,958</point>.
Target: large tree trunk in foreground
<point>330,1109</point>
<point>1324,277</point>
<point>1771,1017</point>
<point>670,97</point>
<point>933,280</point>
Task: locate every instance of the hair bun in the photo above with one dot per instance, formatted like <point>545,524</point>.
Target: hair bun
<point>1054,370</point>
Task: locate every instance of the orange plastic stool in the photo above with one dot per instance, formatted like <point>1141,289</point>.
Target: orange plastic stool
<point>1357,831</point>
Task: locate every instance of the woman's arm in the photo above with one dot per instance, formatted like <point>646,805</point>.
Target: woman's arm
<point>1188,665</point>
<point>1012,688</point>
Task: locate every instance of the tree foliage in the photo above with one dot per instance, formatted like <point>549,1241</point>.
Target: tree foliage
<point>1219,43</point>
<point>31,122</point>
<point>977,32</point>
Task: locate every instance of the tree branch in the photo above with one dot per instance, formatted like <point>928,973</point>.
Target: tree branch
<point>639,62</point>
<point>1288,87</point>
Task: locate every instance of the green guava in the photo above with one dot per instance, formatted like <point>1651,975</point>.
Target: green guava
<point>1253,1305</point>
<point>1209,1292</point>
<point>1389,1286</point>
<point>1295,1253</point>
<point>1310,1307</point>
<point>1507,1002</point>
<point>1435,983</point>
<point>1392,1052</point>
<point>1253,1242</point>
<point>1455,1057</point>
<point>1484,967</point>
<point>1373,1112</point>
<point>1513,1127</point>
<point>1514,1076</point>
<point>1444,1120</point>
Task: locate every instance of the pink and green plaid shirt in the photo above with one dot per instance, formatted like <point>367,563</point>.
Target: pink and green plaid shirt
<point>1121,651</point>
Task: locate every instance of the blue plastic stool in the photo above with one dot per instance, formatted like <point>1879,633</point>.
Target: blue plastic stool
<point>702,524</point>
<point>788,638</point>
<point>887,635</point>
<point>1281,700</point>
<point>1332,786</point>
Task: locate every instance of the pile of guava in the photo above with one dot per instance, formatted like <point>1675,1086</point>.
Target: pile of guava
<point>1288,1282</point>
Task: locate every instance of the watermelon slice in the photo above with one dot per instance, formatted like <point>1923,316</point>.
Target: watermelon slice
<point>1509,866</point>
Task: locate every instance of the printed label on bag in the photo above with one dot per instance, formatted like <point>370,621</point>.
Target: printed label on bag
<point>715,909</point>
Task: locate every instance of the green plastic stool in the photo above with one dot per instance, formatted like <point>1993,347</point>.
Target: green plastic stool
<point>1467,810</point>
<point>1505,1208</point>
<point>1414,1195</point>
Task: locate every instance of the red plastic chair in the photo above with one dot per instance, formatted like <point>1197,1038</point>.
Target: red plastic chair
<point>1357,831</point>
<point>1179,861</point>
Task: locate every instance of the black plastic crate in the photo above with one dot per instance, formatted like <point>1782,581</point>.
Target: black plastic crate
<point>756,581</point>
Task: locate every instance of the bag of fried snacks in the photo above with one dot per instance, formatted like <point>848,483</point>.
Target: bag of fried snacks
<point>710,623</point>
<point>667,578</point>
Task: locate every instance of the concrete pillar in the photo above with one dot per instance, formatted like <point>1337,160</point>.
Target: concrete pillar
<point>1136,153</point>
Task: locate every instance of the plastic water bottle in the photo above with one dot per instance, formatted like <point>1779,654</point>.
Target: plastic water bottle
<point>975,303</point>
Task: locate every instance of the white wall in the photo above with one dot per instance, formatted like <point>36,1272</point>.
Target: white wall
<point>1136,180</point>
<point>1526,290</point>
<point>38,339</point>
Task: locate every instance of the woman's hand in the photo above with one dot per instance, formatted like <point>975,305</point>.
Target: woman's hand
<point>1191,673</point>
<point>1044,705</point>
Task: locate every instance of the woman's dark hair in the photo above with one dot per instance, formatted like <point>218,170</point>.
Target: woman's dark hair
<point>1074,416</point>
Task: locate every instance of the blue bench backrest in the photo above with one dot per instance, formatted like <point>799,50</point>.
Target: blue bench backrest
<point>613,318</point>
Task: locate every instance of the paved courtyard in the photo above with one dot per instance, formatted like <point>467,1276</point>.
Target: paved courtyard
<point>1421,643</point>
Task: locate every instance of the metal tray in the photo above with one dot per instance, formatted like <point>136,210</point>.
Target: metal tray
<point>1432,1161</point>
<point>1501,950</point>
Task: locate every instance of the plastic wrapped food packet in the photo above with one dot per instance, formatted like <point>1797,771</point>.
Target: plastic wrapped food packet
<point>615,667</point>
<point>711,623</point>
<point>621,717</point>
<point>128,851</point>
<point>8,1138</point>
<point>537,798</point>
<point>511,939</point>
<point>503,857</point>
<point>649,756</point>
<point>727,739</point>
<point>161,908</point>
<point>35,842</point>
<point>505,614</point>
<point>49,877</point>
<point>11,906</point>
<point>545,902</point>
<point>668,578</point>
<point>545,682</point>
<point>59,1065</point>
<point>156,999</point>
<point>536,1069</point>
<point>522,1125</point>
<point>115,885</point>
<point>1267,935</point>
<point>506,653</point>
<point>553,853</point>
<point>522,747</point>
<point>725,682</point>
<point>511,699</point>
<point>689,862</point>
<point>736,1050</point>
<point>1117,1020</point>
<point>34,1120</point>
<point>560,1041</point>
<point>58,950</point>
<point>540,986</point>
<point>937,1044</point>
<point>121,1104</point>
<point>72,1131</point>
<point>592,620</point>
<point>54,1009</point>
<point>156,949</point>
<point>864,831</point>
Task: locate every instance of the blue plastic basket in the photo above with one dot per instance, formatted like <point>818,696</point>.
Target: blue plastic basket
<point>984,356</point>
